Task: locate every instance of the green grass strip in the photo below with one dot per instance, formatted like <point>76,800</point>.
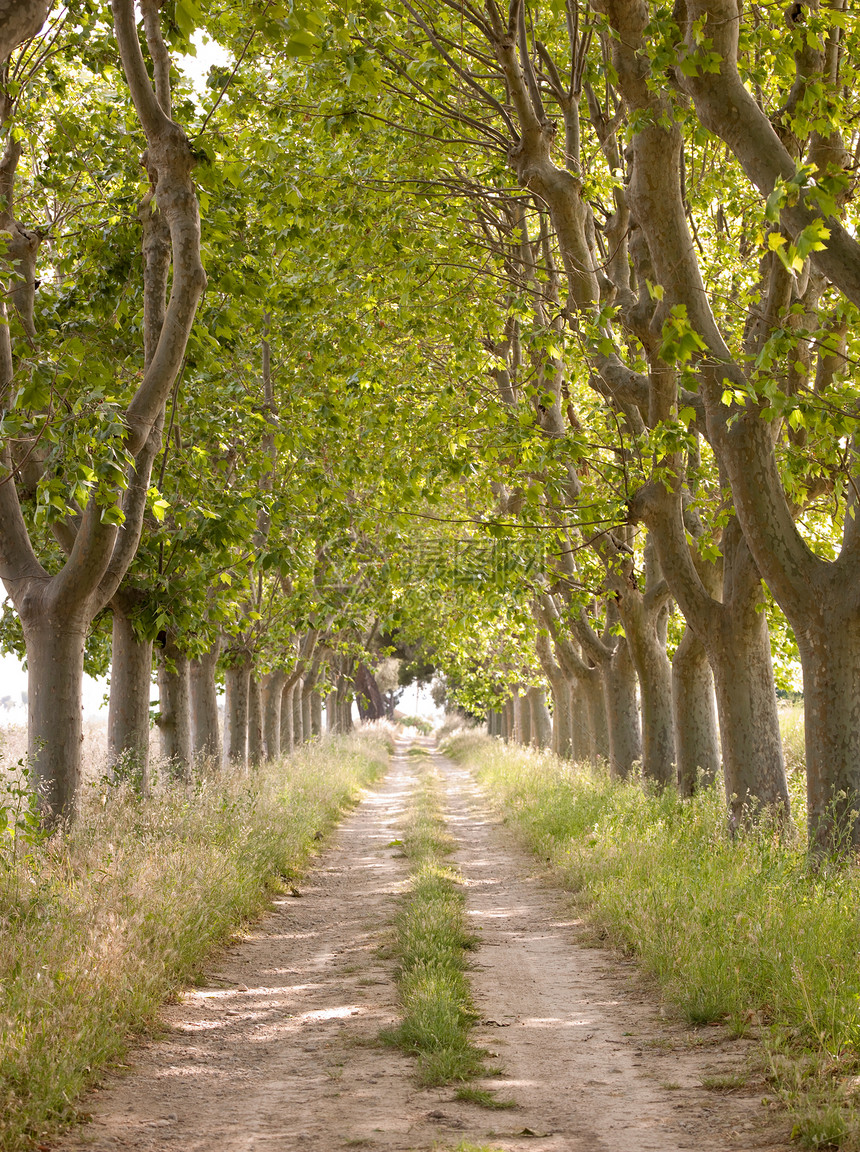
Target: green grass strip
<point>98,928</point>
<point>741,930</point>
<point>432,946</point>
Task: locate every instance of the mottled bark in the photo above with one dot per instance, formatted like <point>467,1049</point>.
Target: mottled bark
<point>594,702</point>
<point>523,718</point>
<point>273,692</point>
<point>306,713</point>
<point>205,725</point>
<point>128,717</point>
<point>697,745</point>
<point>371,704</point>
<point>55,663</point>
<point>561,698</point>
<point>237,690</point>
<point>287,738</point>
<point>622,708</point>
<point>316,713</point>
<point>174,706</point>
<point>540,722</point>
<point>298,716</point>
<point>256,743</point>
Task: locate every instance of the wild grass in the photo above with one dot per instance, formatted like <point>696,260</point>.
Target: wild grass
<point>100,926</point>
<point>743,930</point>
<point>432,946</point>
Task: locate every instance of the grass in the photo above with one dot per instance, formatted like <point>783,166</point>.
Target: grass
<point>432,946</point>
<point>738,930</point>
<point>99,927</point>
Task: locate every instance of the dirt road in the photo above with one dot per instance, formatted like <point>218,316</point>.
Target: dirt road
<point>278,1050</point>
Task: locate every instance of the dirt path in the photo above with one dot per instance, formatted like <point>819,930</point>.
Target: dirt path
<point>278,1050</point>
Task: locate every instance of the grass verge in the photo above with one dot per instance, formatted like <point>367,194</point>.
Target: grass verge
<point>432,945</point>
<point>737,930</point>
<point>99,927</point>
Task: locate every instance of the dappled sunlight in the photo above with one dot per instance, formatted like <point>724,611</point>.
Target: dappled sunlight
<point>340,1013</point>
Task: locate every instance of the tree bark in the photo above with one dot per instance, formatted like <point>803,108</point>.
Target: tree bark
<point>256,745</point>
<point>316,713</point>
<point>830,656</point>
<point>524,724</point>
<point>622,709</point>
<point>591,691</point>
<point>697,745</point>
<point>735,636</point>
<point>367,691</point>
<point>540,723</point>
<point>307,692</point>
<point>205,725</point>
<point>561,695</point>
<point>130,680</point>
<point>288,743</point>
<point>273,694</point>
<point>237,689</point>
<point>55,668</point>
<point>645,617</point>
<point>174,706</point>
<point>298,718</point>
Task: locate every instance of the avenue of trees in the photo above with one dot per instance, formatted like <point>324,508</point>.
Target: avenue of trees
<point>517,341</point>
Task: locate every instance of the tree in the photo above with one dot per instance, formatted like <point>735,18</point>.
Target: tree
<point>100,534</point>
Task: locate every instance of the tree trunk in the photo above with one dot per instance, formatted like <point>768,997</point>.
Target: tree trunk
<point>591,691</point>
<point>696,742</point>
<point>273,693</point>
<point>752,748</point>
<point>561,692</point>
<point>237,691</point>
<point>298,720</point>
<point>55,669</point>
<point>580,723</point>
<point>130,680</point>
<point>204,706</point>
<point>540,722</point>
<point>507,722</point>
<point>331,716</point>
<point>343,705</point>
<point>288,743</point>
<point>524,725</point>
<point>368,695</point>
<point>645,628</point>
<point>256,746</point>
<point>622,711</point>
<point>174,706</point>
<point>316,713</point>
<point>307,692</point>
<point>735,635</point>
<point>830,656</point>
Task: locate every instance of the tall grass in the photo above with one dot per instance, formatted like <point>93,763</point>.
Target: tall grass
<point>737,929</point>
<point>99,926</point>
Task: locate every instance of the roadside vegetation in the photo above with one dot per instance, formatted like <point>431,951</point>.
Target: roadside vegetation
<point>99,926</point>
<point>747,930</point>
<point>432,946</point>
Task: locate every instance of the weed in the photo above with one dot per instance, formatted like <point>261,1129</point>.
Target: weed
<point>725,1082</point>
<point>483,1098</point>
